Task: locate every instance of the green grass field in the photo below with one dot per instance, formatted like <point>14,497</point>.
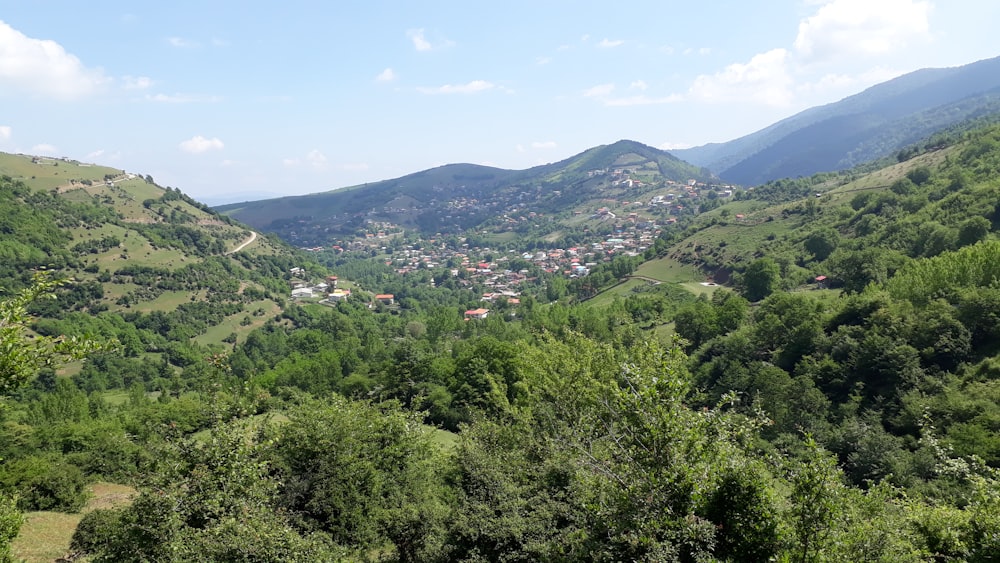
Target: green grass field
<point>622,290</point>
<point>698,289</point>
<point>49,173</point>
<point>233,323</point>
<point>45,536</point>
<point>669,270</point>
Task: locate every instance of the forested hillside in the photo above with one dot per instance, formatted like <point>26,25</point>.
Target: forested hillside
<point>831,397</point>
<point>866,126</point>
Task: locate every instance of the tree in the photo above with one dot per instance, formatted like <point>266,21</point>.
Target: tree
<point>208,501</point>
<point>21,357</point>
<point>973,230</point>
<point>822,243</point>
<point>20,360</point>
<point>762,278</point>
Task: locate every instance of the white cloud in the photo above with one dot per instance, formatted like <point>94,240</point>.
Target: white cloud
<point>43,67</point>
<point>544,145</point>
<point>519,148</point>
<point>216,42</point>
<point>469,88</point>
<point>182,98</point>
<point>314,158</point>
<point>94,154</point>
<point>765,79</point>
<point>44,149</point>
<point>599,91</point>
<point>603,93</point>
<point>136,82</point>
<point>609,43</point>
<point>421,43</point>
<point>181,43</point>
<point>5,132</point>
<point>386,75</point>
<point>847,28</point>
<point>543,61</point>
<point>199,144</point>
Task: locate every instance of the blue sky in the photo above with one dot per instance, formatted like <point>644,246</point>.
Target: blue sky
<point>226,99</point>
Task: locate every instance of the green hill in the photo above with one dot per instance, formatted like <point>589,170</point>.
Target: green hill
<point>455,197</point>
<point>132,249</point>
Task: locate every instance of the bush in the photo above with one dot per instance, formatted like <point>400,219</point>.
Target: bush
<point>10,524</point>
<point>43,484</point>
<point>95,530</point>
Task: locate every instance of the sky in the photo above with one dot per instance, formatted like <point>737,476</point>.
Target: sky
<point>231,101</point>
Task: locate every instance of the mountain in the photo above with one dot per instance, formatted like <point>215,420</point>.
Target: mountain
<point>869,125</point>
<point>133,249</point>
<point>454,197</point>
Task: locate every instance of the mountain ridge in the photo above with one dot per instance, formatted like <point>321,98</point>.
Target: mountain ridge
<point>431,199</point>
<point>940,97</point>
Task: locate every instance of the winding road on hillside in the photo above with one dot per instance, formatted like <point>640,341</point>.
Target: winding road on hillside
<point>253,237</point>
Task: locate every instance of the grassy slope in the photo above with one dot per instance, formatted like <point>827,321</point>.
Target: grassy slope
<point>45,536</point>
<point>65,178</point>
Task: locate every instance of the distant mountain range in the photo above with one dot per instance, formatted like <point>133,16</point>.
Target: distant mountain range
<point>857,129</point>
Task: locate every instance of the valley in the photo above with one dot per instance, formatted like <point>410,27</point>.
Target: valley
<point>618,356</point>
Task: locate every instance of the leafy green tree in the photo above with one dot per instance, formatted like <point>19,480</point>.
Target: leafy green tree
<point>973,230</point>
<point>822,243</point>
<point>855,269</point>
<point>364,475</point>
<point>21,357</point>
<point>816,495</point>
<point>11,520</point>
<point>761,278</point>
<point>210,501</point>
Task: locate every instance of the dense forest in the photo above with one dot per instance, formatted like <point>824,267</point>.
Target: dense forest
<point>855,419</point>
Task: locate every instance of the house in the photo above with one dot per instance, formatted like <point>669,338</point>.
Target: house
<point>339,295</point>
<point>386,298</point>
<point>332,281</point>
<point>302,293</point>
<point>821,282</point>
<point>476,314</point>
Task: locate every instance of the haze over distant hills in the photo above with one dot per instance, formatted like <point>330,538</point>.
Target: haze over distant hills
<point>857,129</point>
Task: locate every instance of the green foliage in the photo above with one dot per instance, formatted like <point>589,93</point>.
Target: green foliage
<point>361,474</point>
<point>208,501</point>
<point>761,278</point>
<point>969,267</point>
<point>20,357</point>
<point>43,483</point>
<point>95,531</point>
<point>11,520</point>
<point>822,243</point>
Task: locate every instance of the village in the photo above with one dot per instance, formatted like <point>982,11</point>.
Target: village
<point>610,228</point>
